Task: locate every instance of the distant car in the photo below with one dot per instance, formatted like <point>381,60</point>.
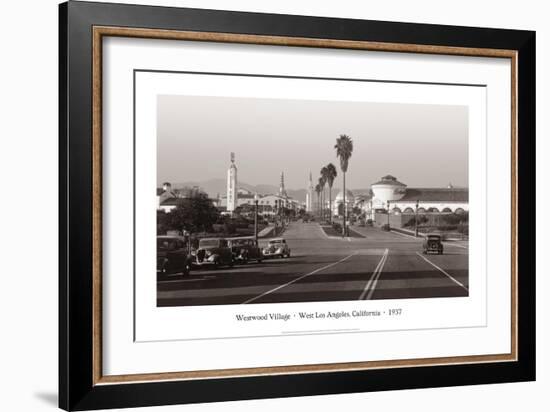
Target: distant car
<point>245,249</point>
<point>276,248</point>
<point>212,252</point>
<point>432,243</point>
<point>172,255</point>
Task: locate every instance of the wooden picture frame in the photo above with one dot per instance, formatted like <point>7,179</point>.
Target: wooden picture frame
<point>83,26</point>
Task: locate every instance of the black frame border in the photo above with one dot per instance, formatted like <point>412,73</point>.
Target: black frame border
<point>76,388</point>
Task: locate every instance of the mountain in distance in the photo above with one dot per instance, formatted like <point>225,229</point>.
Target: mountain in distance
<point>213,187</point>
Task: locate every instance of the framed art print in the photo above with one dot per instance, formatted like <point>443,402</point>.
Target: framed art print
<point>259,205</point>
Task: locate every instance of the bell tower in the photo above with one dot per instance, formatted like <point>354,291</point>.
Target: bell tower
<point>232,185</point>
<point>282,190</point>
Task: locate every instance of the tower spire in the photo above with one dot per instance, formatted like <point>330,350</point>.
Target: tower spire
<point>282,191</point>
<point>231,196</point>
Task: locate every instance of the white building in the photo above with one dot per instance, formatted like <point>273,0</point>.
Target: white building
<point>231,204</point>
<point>339,201</point>
<point>389,192</point>
<point>166,198</point>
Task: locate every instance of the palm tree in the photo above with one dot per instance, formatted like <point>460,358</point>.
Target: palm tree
<point>318,190</point>
<point>330,173</point>
<point>344,149</point>
<point>322,183</point>
<point>324,176</point>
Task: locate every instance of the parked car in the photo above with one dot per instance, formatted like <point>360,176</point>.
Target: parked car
<point>432,243</point>
<point>172,255</point>
<point>212,252</point>
<point>276,248</point>
<point>245,249</point>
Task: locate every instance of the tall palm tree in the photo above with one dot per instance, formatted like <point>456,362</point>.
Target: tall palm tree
<point>318,191</point>
<point>324,176</point>
<point>330,173</point>
<point>322,183</point>
<point>344,149</point>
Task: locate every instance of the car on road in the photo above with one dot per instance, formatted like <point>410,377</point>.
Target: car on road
<point>245,249</point>
<point>276,247</point>
<point>212,252</point>
<point>432,243</point>
<point>172,255</point>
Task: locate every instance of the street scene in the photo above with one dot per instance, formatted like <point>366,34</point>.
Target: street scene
<point>381,265</point>
<point>262,214</point>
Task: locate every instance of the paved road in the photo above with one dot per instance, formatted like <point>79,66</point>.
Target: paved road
<point>381,265</point>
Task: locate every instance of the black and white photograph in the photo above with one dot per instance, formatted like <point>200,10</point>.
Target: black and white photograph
<point>264,200</point>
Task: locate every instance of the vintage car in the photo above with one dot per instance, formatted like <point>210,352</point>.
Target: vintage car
<point>276,248</point>
<point>172,256</point>
<point>245,249</point>
<point>212,252</point>
<point>432,243</point>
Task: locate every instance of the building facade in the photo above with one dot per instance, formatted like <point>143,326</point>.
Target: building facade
<point>338,203</point>
<point>391,195</point>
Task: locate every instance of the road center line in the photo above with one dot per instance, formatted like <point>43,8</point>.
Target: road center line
<point>373,287</point>
<point>297,279</point>
<point>374,278</point>
<point>442,271</point>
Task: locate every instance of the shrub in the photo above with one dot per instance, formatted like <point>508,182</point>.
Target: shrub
<point>447,228</point>
<point>421,219</point>
<point>385,227</point>
<point>463,229</point>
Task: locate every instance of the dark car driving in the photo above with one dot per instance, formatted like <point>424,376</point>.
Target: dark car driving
<point>432,244</point>
<point>213,252</point>
<point>245,249</point>
<point>172,255</point>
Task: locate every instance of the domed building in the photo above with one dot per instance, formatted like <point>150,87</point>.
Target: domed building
<point>390,193</point>
<point>339,201</point>
<point>388,188</point>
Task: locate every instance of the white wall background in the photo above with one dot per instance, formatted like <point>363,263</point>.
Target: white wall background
<point>28,183</point>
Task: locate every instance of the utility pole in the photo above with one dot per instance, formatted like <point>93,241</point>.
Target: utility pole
<point>256,217</point>
<point>416,220</point>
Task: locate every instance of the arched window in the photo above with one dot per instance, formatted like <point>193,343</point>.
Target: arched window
<point>396,210</point>
<point>447,210</point>
<point>421,210</point>
<point>459,211</point>
<point>408,210</point>
<point>433,210</point>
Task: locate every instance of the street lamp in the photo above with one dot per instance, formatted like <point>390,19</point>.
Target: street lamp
<point>256,217</point>
<point>416,220</point>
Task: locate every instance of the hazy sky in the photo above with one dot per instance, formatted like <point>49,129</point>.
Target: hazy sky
<point>422,145</point>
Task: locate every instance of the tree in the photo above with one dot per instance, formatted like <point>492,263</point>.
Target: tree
<point>318,191</point>
<point>344,149</point>
<point>330,176</point>
<point>322,184</point>
<point>163,225</point>
<point>194,214</point>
